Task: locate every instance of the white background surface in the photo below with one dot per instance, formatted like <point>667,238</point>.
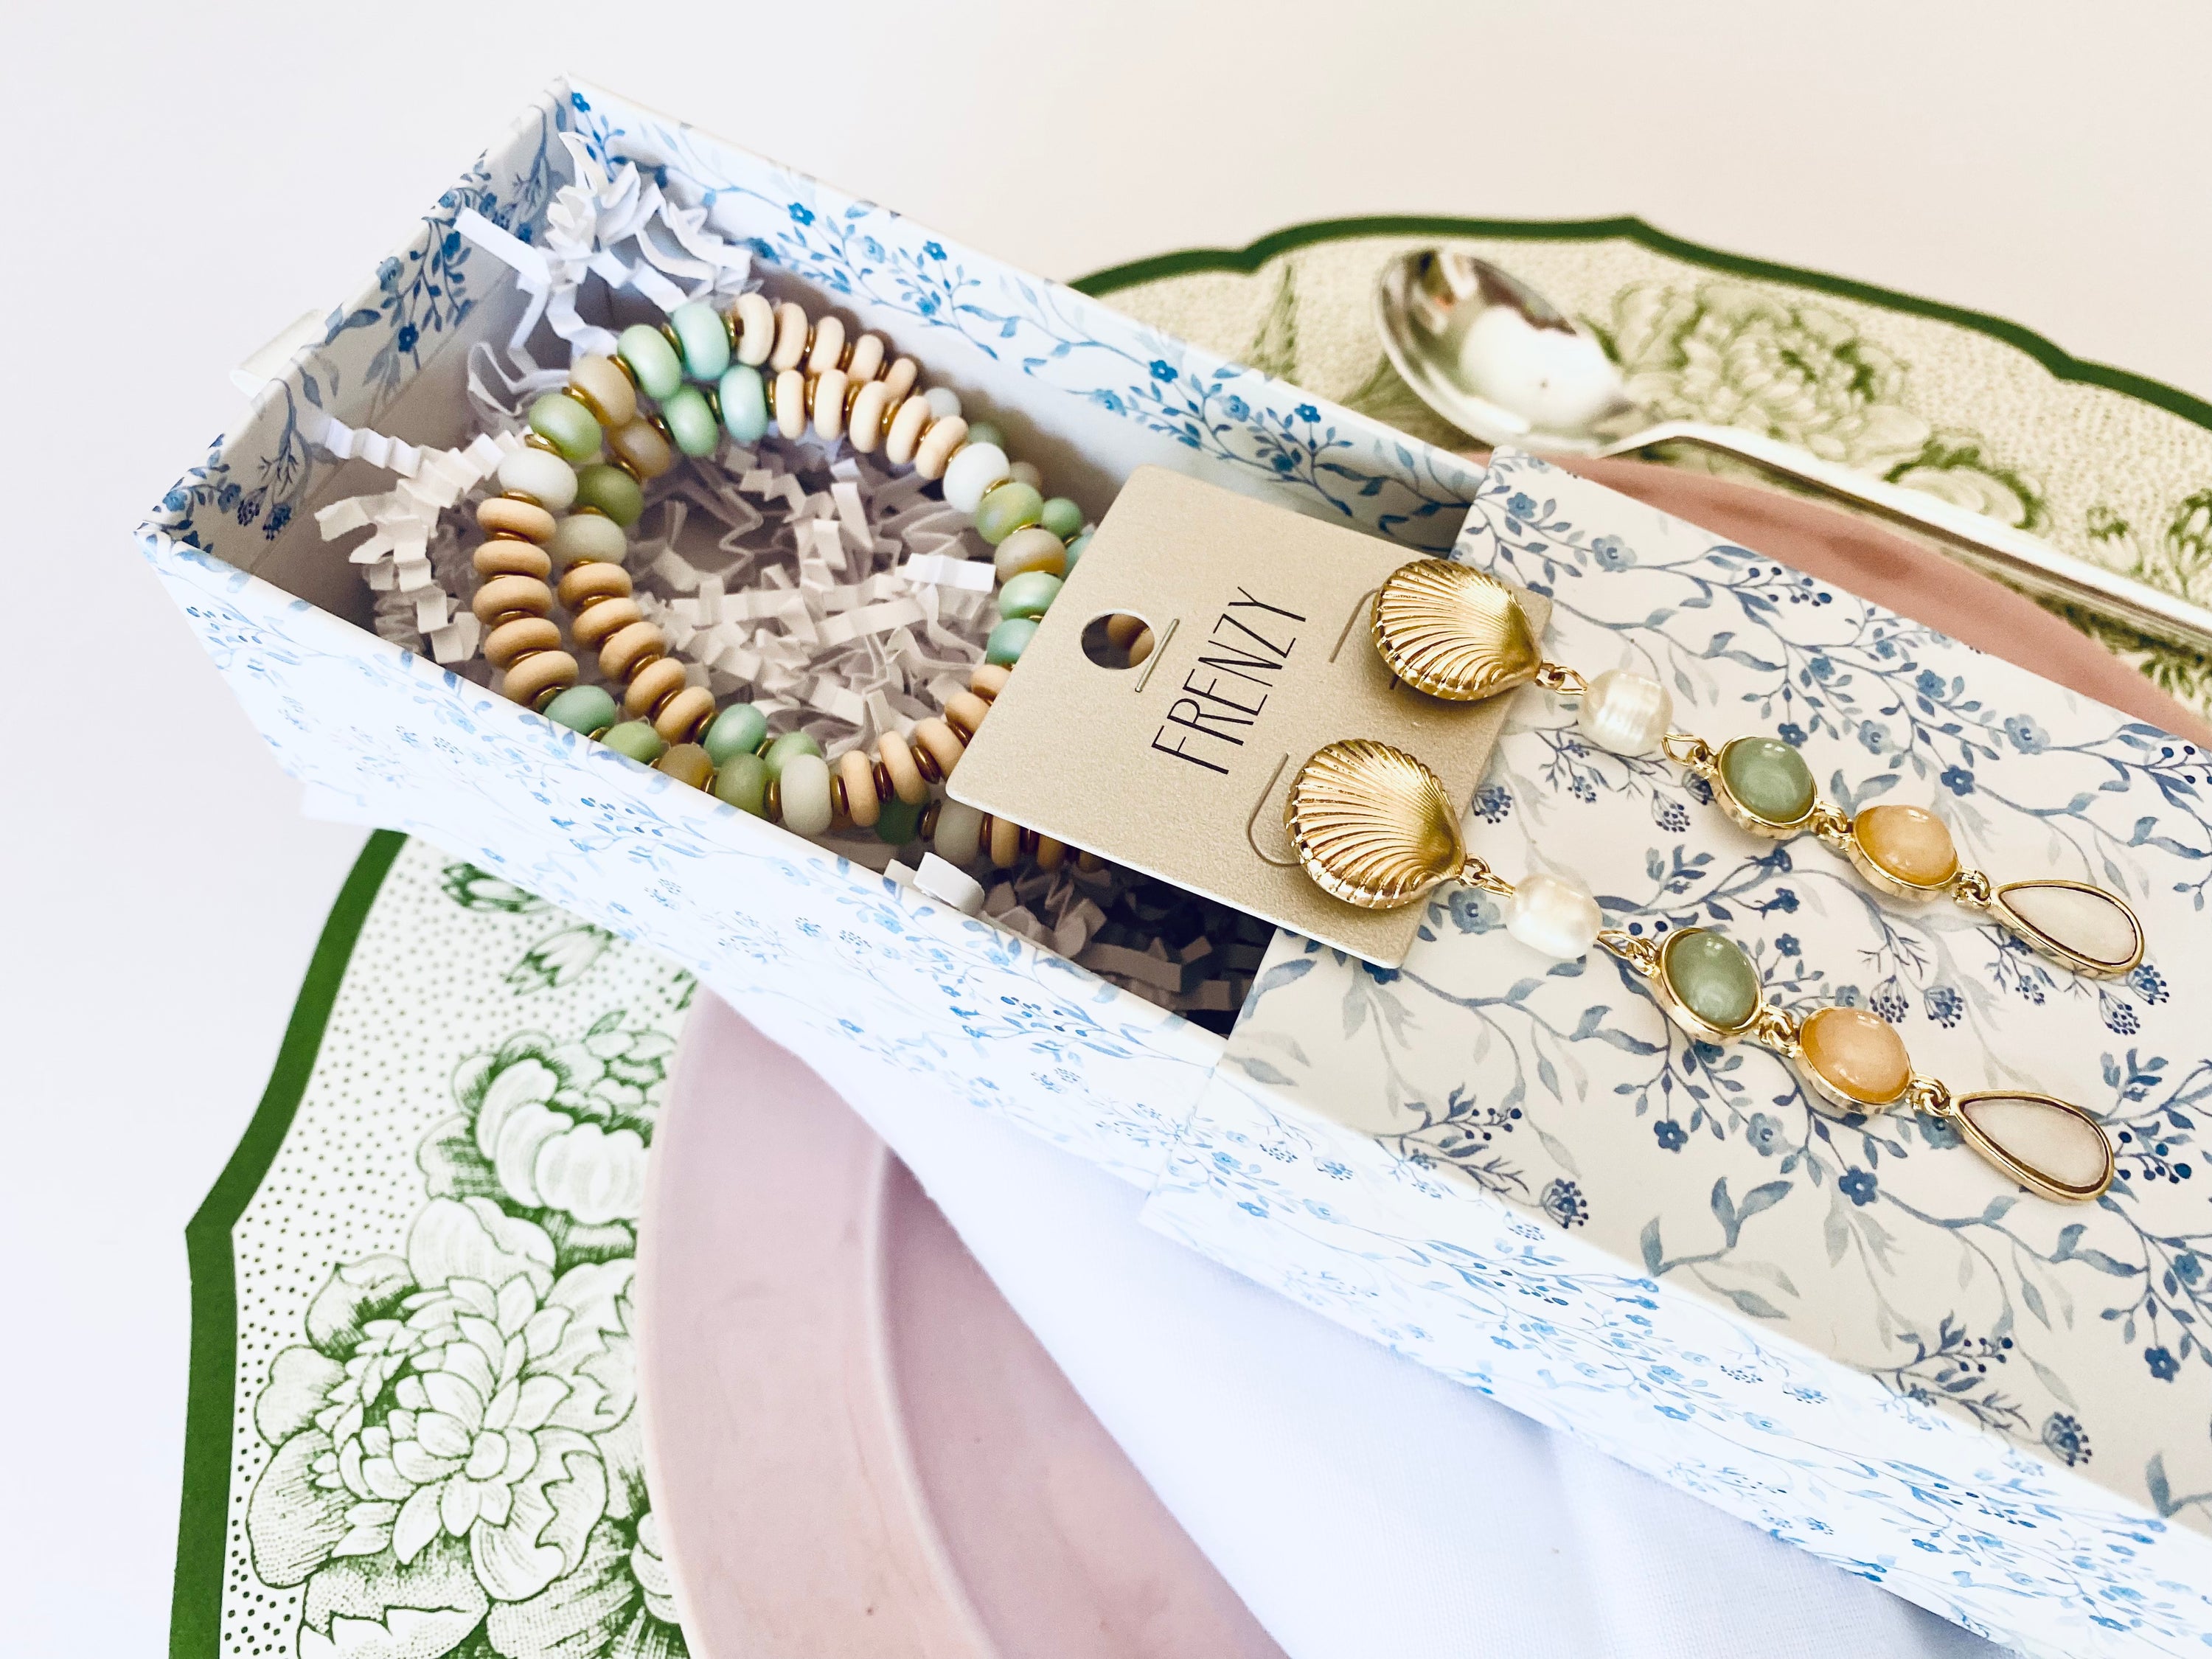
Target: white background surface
<point>188,179</point>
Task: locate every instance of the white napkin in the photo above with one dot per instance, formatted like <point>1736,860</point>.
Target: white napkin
<point>1363,1507</point>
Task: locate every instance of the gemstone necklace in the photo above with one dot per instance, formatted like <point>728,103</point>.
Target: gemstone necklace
<point>1455,633</point>
<point>1374,827</point>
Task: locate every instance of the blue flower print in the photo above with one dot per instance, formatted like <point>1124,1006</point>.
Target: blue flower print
<point>801,215</point>
<point>934,250</point>
<point>1163,370</point>
<point>1521,506</point>
<point>1108,401</point>
<point>1859,1186</point>
<point>1562,1200</point>
<point>1765,1134</point>
<point>1958,780</point>
<point>2149,984</point>
<point>407,337</point>
<point>1493,803</point>
<point>1784,900</point>
<point>1787,945</point>
<point>1238,408</point>
<point>1670,1135</point>
<point>2119,1015</point>
<point>1791,733</point>
<point>1872,737</point>
<point>2163,1365</point>
<point>1473,912</point>
<point>1930,684</point>
<point>1888,1000</point>
<point>2026,736</point>
<point>1669,814</point>
<point>1944,1005</point>
<point>2066,1439</point>
<point>1612,553</point>
<point>1307,413</point>
<point>2189,1267</point>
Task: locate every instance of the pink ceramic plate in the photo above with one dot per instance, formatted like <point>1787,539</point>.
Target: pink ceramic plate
<point>856,1446</point>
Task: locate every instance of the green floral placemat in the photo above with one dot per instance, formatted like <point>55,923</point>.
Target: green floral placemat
<point>2105,464</point>
<point>412,1428</point>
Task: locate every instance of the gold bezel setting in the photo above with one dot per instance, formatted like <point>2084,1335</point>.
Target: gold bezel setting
<point>1662,988</point>
<point>2026,1174</point>
<point>2042,943</point>
<point>1745,818</point>
<point>1883,882</point>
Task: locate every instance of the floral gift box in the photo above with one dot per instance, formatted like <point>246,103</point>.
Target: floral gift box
<point>1995,1408</point>
<point>1851,1331</point>
<point>879,987</point>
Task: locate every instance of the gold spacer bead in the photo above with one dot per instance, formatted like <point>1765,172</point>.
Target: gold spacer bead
<point>532,440</point>
<point>628,372</point>
<point>927,829</point>
<point>772,801</point>
<point>576,394</point>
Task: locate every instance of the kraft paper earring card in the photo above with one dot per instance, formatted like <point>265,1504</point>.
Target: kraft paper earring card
<point>1204,647</point>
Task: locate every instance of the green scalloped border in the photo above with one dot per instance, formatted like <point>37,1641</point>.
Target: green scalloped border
<point>2062,363</point>
<point>204,1507</point>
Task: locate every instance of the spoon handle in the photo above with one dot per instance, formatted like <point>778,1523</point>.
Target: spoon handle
<point>2027,561</point>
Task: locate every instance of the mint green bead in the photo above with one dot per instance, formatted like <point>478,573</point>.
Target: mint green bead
<point>1008,641</point>
<point>983,432</point>
<point>745,404</point>
<point>637,740</point>
<point>1062,517</point>
<point>1030,594</point>
<point>1710,976</point>
<point>652,359</point>
<point>586,709</point>
<point>1768,778</point>
<point>742,781</point>
<point>567,425</point>
<point>612,492</point>
<point>705,339</point>
<point>897,823</point>
<point>738,729</point>
<point>790,744</point>
<point>1012,506</point>
<point>1074,552</point>
<point>690,422</point>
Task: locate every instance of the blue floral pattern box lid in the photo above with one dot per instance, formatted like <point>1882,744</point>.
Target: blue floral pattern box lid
<point>1852,1332</point>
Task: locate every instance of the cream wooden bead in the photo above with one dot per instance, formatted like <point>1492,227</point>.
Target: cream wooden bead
<point>631,649</point>
<point>511,641</point>
<point>755,329</point>
<point>655,683</point>
<point>959,837</point>
<point>828,346</point>
<point>907,781</point>
<point>937,445</point>
<point>502,555</point>
<point>861,804</point>
<point>511,596</point>
<point>830,403</point>
<point>806,792</point>
<point>598,624</point>
<point>1006,843</point>
<point>790,402</point>
<point>790,338</point>
<point>988,679</point>
<point>941,744</point>
<point>594,578</point>
<point>964,712</point>
<point>899,377</point>
<point>904,436</point>
<point>538,676</point>
<point>503,515</point>
<point>867,357</point>
<point>607,391</point>
<point>684,715</point>
<point>868,406</point>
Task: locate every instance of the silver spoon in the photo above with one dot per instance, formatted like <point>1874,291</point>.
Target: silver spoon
<point>1502,363</point>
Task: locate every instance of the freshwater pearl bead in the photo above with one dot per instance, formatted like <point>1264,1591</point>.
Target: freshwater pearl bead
<point>805,787</point>
<point>651,359</point>
<point>1909,843</point>
<point>959,835</point>
<point>613,398</point>
<point>546,479</point>
<point>1857,1054</point>
<point>592,536</point>
<point>755,329</point>
<point>943,401</point>
<point>745,404</point>
<point>567,425</point>
<point>972,472</point>
<point>1553,915</point>
<point>1626,713</point>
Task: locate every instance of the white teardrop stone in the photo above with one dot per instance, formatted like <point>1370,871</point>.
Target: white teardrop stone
<point>1554,915</point>
<point>2062,1145</point>
<point>2093,925</point>
<point>1626,713</point>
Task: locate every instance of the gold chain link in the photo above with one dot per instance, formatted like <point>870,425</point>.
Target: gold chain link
<point>1477,873</point>
<point>1560,679</point>
<point>1972,887</point>
<point>1925,1094</point>
<point>1641,954</point>
<point>1776,1029</point>
<point>1684,750</point>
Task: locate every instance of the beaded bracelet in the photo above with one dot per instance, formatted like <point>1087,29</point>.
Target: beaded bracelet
<point>591,446</point>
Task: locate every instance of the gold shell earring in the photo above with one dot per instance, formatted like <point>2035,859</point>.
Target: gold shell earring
<point>1458,633</point>
<point>1374,827</point>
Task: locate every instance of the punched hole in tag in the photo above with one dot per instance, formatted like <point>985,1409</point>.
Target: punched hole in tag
<point>1119,640</point>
